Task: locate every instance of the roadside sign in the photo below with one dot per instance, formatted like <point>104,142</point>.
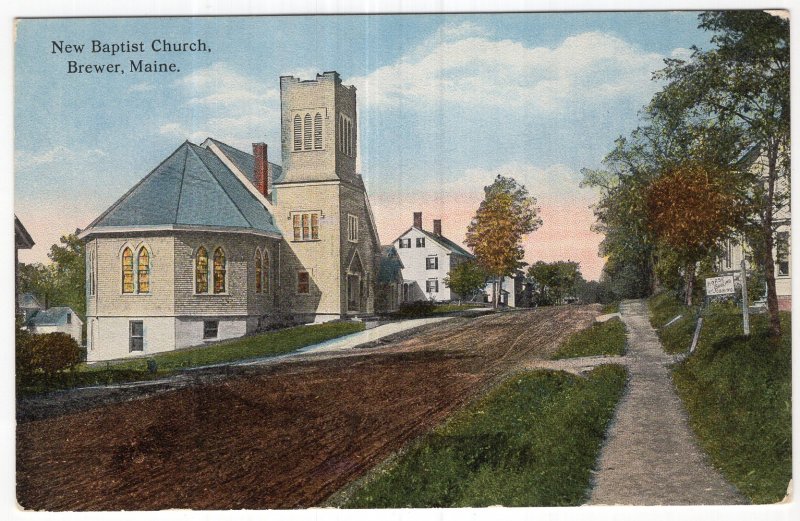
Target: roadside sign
<point>720,285</point>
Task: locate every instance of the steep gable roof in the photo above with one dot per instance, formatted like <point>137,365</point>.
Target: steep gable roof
<point>442,241</point>
<point>52,317</point>
<point>192,187</point>
<point>390,265</point>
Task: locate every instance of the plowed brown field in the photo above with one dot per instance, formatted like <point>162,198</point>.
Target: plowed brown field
<point>282,436</point>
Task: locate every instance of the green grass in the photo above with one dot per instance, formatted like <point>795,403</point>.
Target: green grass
<point>677,337</point>
<point>737,391</point>
<point>601,338</point>
<point>273,343</point>
<point>532,441</point>
<point>610,308</point>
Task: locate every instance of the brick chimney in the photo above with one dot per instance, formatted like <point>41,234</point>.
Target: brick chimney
<point>418,220</point>
<point>261,169</point>
<point>437,226</point>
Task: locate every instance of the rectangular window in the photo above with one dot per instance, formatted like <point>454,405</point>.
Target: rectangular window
<point>210,328</point>
<point>420,242</point>
<point>352,228</point>
<point>405,243</point>
<point>728,255</point>
<point>432,263</point>
<point>303,282</point>
<point>305,226</point>
<point>432,286</point>
<point>782,253</point>
<point>136,337</point>
<point>69,318</point>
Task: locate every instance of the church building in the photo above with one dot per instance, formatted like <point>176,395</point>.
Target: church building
<point>217,242</point>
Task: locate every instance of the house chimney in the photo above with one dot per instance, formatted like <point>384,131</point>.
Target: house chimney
<point>437,226</point>
<point>418,220</point>
<point>261,169</point>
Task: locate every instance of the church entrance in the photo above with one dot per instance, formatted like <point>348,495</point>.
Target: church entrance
<point>353,293</point>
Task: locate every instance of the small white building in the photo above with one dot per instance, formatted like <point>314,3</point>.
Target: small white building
<point>427,258</point>
<point>56,320</point>
<point>509,291</point>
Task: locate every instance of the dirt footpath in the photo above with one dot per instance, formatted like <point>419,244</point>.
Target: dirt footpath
<point>281,436</point>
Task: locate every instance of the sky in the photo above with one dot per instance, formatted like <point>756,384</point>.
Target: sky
<point>446,103</point>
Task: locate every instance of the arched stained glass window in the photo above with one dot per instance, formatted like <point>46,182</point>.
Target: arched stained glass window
<point>201,271</point>
<point>219,271</point>
<point>318,131</point>
<point>265,283</point>
<point>307,132</point>
<point>143,271</point>
<point>259,272</point>
<point>127,271</point>
<point>298,133</point>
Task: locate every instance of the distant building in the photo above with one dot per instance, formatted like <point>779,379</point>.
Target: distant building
<point>510,294</point>
<point>27,305</point>
<point>427,259</point>
<point>56,320</point>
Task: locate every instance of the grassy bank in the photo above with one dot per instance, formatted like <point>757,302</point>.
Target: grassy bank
<point>256,346</point>
<point>601,338</point>
<point>610,308</point>
<point>737,392</point>
<point>676,337</point>
<point>533,441</point>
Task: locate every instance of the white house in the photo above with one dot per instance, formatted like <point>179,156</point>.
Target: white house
<point>215,242</point>
<point>56,320</point>
<point>427,258</point>
<point>511,290</point>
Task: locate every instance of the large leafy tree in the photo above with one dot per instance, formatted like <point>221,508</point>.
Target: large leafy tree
<point>465,279</point>
<point>691,208</point>
<point>742,85</point>
<point>506,214</point>
<point>553,281</point>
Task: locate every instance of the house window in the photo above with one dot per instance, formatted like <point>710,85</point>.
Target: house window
<point>210,328</point>
<point>432,286</point>
<point>420,242</point>
<point>432,263</point>
<point>728,255</point>
<point>143,271</point>
<point>405,243</point>
<point>303,282</point>
<point>782,253</point>
<point>136,335</point>
<point>259,271</point>
<point>219,270</point>
<point>90,280</point>
<point>201,271</point>
<point>69,318</point>
<point>352,228</point>
<point>307,132</point>
<point>298,133</point>
<point>127,271</point>
<point>305,226</point>
<point>318,131</point>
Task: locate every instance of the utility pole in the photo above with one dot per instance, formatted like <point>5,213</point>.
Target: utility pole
<point>745,307</point>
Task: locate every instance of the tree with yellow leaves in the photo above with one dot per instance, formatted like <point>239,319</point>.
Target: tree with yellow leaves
<point>506,214</point>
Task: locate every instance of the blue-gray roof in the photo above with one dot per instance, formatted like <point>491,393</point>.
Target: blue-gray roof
<point>192,187</point>
<point>245,162</point>
<point>390,268</point>
<point>51,317</point>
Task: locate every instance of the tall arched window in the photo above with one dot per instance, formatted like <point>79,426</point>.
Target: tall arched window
<point>318,131</point>
<point>219,271</point>
<point>298,133</point>
<point>265,283</point>
<point>259,273</point>
<point>307,132</point>
<point>339,133</point>
<point>127,271</point>
<point>143,271</point>
<point>201,271</point>
<point>349,134</point>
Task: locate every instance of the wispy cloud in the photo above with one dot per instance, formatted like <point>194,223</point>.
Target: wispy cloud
<point>219,84</point>
<point>465,64</point>
<point>59,153</point>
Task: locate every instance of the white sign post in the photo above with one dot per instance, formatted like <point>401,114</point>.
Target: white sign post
<point>720,286</point>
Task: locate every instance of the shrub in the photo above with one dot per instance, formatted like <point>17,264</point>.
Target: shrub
<point>420,308</point>
<point>23,358</point>
<point>54,352</point>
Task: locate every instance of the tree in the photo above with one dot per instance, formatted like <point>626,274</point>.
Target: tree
<point>62,283</point>
<point>465,279</point>
<point>691,208</point>
<point>742,85</point>
<point>506,214</point>
<point>554,281</point>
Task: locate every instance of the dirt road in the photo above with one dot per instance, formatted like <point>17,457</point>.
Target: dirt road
<point>282,436</point>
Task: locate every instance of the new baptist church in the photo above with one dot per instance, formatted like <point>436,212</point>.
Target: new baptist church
<point>217,242</point>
